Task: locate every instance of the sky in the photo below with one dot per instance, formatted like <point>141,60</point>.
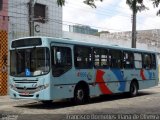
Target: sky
<point>110,15</point>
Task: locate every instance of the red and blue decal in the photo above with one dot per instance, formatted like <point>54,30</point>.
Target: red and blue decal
<point>120,77</point>
<point>99,79</point>
<point>146,74</point>
<point>117,75</point>
<point>142,74</point>
<point>103,87</point>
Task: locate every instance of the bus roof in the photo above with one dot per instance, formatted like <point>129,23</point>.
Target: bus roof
<point>87,43</point>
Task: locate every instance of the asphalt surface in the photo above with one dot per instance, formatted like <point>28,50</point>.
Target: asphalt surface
<point>119,106</point>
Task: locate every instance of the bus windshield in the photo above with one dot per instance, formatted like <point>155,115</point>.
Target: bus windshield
<point>29,62</point>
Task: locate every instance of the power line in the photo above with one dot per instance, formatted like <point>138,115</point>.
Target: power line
<point>109,14</point>
<point>58,20</point>
<point>20,13</point>
<point>100,13</point>
<point>68,22</point>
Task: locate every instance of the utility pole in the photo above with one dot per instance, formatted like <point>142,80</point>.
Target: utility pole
<point>31,17</point>
<point>134,24</point>
<point>134,35</point>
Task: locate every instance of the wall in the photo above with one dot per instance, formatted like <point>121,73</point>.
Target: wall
<point>3,47</point>
<point>102,40</point>
<point>149,37</point>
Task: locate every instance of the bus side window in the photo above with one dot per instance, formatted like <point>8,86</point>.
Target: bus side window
<point>138,60</point>
<point>147,61</point>
<point>153,63</point>
<point>83,57</point>
<point>128,60</point>
<point>61,60</point>
<point>100,58</point>
<point>97,55</point>
<point>115,58</point>
<point>104,58</point>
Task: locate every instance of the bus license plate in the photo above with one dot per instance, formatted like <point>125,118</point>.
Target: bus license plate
<point>25,93</point>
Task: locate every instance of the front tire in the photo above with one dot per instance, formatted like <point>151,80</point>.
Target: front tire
<point>81,95</point>
<point>133,89</point>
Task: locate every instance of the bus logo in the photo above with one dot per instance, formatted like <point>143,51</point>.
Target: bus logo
<point>27,72</point>
<point>87,75</point>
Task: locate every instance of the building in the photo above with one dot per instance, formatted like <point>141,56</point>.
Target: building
<point>15,23</point>
<point>146,39</point>
<point>83,29</point>
<point>47,18</point>
<point>150,37</point>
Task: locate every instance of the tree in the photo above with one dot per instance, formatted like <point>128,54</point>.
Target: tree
<point>156,4</point>
<point>61,2</point>
<point>135,6</point>
<point>88,2</point>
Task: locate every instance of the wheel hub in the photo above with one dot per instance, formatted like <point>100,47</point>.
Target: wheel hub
<point>80,94</point>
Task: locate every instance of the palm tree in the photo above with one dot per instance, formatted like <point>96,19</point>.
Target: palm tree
<point>156,4</point>
<point>135,6</point>
<point>61,2</point>
<point>88,2</point>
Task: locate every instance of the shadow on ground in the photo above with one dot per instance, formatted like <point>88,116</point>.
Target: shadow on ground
<point>68,103</point>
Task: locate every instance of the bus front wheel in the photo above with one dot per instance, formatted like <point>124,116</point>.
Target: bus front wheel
<point>81,95</point>
<point>133,89</point>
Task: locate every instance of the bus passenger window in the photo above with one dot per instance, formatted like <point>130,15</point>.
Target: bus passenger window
<point>61,60</point>
<point>83,57</point>
<point>97,55</point>
<point>138,60</point>
<point>153,64</point>
<point>128,60</point>
<point>147,61</point>
<point>100,58</point>
<point>115,59</point>
<point>104,58</point>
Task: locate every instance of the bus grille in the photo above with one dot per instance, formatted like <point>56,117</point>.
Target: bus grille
<point>25,81</point>
<point>28,90</point>
<point>26,95</point>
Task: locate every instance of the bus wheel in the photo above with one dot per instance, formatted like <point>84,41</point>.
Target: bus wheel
<point>47,102</point>
<point>133,89</point>
<point>81,95</point>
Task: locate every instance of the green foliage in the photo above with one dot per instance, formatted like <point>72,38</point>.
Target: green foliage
<point>88,2</point>
<point>91,2</point>
<point>156,4</point>
<point>136,5</point>
<point>61,2</point>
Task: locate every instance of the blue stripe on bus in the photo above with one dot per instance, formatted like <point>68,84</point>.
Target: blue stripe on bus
<point>119,76</point>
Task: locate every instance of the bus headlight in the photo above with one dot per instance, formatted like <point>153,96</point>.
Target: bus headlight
<point>12,86</point>
<point>42,87</point>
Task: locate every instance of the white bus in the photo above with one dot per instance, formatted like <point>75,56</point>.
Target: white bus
<point>46,69</point>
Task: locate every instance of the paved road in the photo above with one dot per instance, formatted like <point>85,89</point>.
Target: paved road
<point>147,102</point>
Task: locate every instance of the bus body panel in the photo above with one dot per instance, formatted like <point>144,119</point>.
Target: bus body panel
<point>22,87</point>
<point>100,80</point>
